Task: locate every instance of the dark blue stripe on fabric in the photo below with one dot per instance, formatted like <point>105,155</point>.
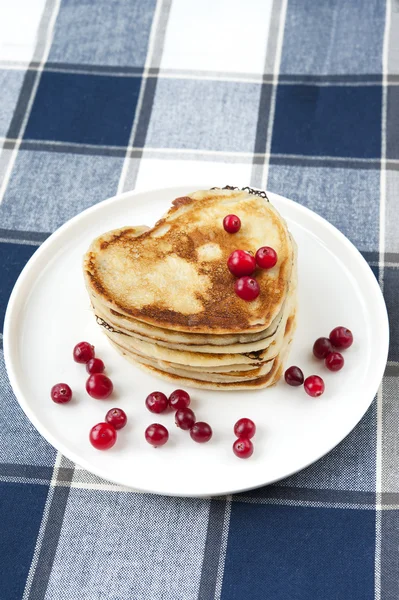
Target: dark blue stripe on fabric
<point>21,510</point>
<point>86,109</point>
<point>13,258</point>
<point>49,543</point>
<point>284,552</point>
<point>328,121</point>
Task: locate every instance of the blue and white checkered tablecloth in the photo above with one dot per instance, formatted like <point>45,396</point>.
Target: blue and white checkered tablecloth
<point>296,96</point>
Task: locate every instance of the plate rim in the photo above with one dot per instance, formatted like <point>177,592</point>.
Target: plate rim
<point>10,345</point>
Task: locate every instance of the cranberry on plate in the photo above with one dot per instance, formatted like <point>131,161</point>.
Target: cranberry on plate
<point>116,417</point>
<point>156,402</point>
<point>95,365</point>
<point>99,386</point>
<point>294,376</point>
<point>61,393</point>
<point>179,399</point>
<point>243,448</point>
<point>184,418</point>
<point>314,386</point>
<point>322,347</point>
<point>201,432</point>
<point>334,361</point>
<point>156,435</point>
<point>83,352</point>
<point>341,337</point>
<point>102,436</point>
<point>245,428</point>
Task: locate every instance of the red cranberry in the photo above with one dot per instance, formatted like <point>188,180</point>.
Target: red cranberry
<point>156,402</point>
<point>179,399</point>
<point>341,337</point>
<point>334,361</point>
<point>102,436</point>
<point>99,386</point>
<point>322,347</point>
<point>245,428</point>
<point>243,448</point>
<point>83,352</point>
<point>231,223</point>
<point>156,435</point>
<point>266,257</point>
<point>184,418</point>
<point>241,263</point>
<point>294,376</point>
<point>247,288</point>
<point>314,386</point>
<point>95,365</point>
<point>61,393</point>
<point>201,432</point>
<point>116,417</point>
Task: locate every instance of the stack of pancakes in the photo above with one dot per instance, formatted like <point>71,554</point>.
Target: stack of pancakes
<point>166,299</point>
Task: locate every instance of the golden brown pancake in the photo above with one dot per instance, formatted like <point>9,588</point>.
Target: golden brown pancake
<point>166,299</point>
<point>174,276</point>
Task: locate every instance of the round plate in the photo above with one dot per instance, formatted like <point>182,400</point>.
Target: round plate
<point>49,312</point>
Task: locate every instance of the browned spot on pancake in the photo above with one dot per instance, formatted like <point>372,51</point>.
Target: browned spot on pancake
<point>117,237</point>
<point>182,200</point>
<point>97,285</point>
<point>289,324</point>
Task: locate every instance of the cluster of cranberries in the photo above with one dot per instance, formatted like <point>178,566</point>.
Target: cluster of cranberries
<point>99,386</point>
<point>103,435</point>
<point>323,348</point>
<point>242,263</point>
<point>244,430</point>
<point>179,401</point>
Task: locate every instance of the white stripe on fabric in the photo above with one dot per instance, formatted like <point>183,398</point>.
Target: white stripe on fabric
<point>147,66</point>
<point>42,529</point>
<point>197,75</point>
<point>378,536</point>
<point>276,72</point>
<point>218,154</point>
<point>48,40</point>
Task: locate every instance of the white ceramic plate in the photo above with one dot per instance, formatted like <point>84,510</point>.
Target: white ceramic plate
<point>49,313</point>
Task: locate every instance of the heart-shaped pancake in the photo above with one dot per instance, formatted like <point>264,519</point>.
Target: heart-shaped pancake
<point>174,276</point>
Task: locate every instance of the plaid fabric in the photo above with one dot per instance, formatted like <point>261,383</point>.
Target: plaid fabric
<point>301,97</point>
